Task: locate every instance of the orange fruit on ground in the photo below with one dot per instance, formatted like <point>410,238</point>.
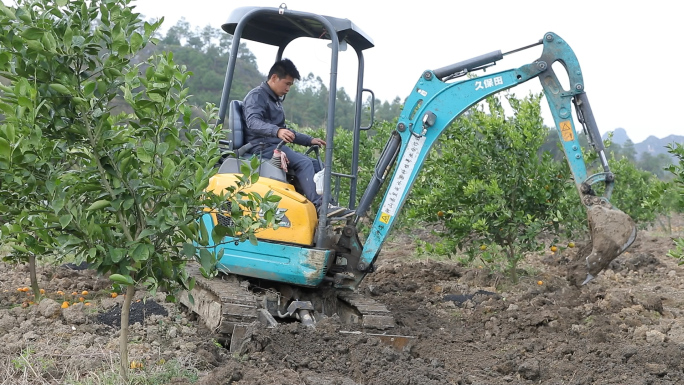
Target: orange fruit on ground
<point>74,293</point>
<point>81,299</point>
<point>554,248</point>
<point>84,292</point>
<point>42,291</point>
<point>65,305</point>
<point>60,292</point>
<point>571,244</point>
<point>114,295</point>
<point>440,213</point>
<point>540,282</point>
<point>483,247</point>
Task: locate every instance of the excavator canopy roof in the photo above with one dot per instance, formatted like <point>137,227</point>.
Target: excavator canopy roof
<point>267,26</point>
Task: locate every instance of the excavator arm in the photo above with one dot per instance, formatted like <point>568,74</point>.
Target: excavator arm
<point>434,104</point>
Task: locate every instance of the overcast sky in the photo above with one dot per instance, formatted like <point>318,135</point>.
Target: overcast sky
<point>628,51</point>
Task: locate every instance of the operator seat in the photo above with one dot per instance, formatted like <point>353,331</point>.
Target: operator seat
<point>236,136</point>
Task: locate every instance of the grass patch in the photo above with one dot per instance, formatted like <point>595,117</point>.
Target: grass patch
<point>30,367</point>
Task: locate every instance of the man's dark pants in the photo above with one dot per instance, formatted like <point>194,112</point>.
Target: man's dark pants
<point>303,167</point>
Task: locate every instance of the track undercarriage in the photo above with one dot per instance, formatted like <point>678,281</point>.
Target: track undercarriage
<point>228,304</point>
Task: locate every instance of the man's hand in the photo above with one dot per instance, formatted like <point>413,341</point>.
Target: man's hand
<point>286,135</point>
<point>317,142</point>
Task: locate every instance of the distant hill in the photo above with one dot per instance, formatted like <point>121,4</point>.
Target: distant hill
<point>651,145</point>
<point>619,136</point>
<point>656,146</point>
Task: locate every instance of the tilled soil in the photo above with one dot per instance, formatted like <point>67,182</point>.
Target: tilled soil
<point>466,326</point>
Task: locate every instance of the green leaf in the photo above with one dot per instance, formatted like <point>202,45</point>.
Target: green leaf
<point>147,232</point>
<point>98,205</point>
<point>122,279</point>
<point>8,130</point>
<point>141,253</point>
<point>68,36</point>
<point>116,254</point>
<point>20,248</point>
<point>33,33</point>
<point>89,88</point>
<point>64,220</point>
<point>23,101</point>
<point>4,59</point>
<point>8,12</point>
<point>189,250</point>
<point>136,42</point>
<point>128,203</point>
<point>61,3</point>
<point>60,88</point>
<point>77,41</point>
<point>34,45</point>
<point>206,259</point>
<point>5,149</point>
<point>245,169</point>
<point>7,109</point>
<point>204,234</point>
<point>167,269</point>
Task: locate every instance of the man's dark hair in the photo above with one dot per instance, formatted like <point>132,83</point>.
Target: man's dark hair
<point>282,68</point>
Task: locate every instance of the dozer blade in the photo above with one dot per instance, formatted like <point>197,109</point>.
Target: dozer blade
<point>612,232</point>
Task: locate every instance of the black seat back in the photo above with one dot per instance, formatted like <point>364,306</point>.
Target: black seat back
<point>236,124</point>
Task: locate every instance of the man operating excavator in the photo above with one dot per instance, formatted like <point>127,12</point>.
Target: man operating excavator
<point>265,118</point>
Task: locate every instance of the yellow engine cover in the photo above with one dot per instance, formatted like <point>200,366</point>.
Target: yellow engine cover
<point>300,217</point>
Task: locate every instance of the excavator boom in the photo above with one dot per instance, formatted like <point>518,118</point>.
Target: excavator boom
<point>435,103</point>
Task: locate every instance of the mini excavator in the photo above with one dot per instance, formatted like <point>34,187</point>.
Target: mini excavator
<point>310,266</point>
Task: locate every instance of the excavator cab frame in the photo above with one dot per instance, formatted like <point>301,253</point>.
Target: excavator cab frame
<point>279,27</point>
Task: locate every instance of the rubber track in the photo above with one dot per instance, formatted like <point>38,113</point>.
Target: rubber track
<point>238,304</point>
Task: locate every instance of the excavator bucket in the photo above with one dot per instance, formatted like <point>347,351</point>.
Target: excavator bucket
<point>612,232</point>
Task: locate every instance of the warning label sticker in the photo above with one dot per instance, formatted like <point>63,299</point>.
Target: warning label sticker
<point>566,131</point>
<point>384,218</point>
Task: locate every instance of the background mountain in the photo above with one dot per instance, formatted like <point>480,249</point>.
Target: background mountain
<point>651,145</point>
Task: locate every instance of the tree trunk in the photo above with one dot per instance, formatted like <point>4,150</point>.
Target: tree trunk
<point>34,278</point>
<point>513,265</point>
<point>123,336</point>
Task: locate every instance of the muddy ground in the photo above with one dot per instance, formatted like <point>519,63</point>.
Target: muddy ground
<point>468,325</point>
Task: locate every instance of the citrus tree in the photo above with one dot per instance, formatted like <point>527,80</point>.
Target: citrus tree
<point>102,160</point>
<point>677,149</point>
<point>491,188</point>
